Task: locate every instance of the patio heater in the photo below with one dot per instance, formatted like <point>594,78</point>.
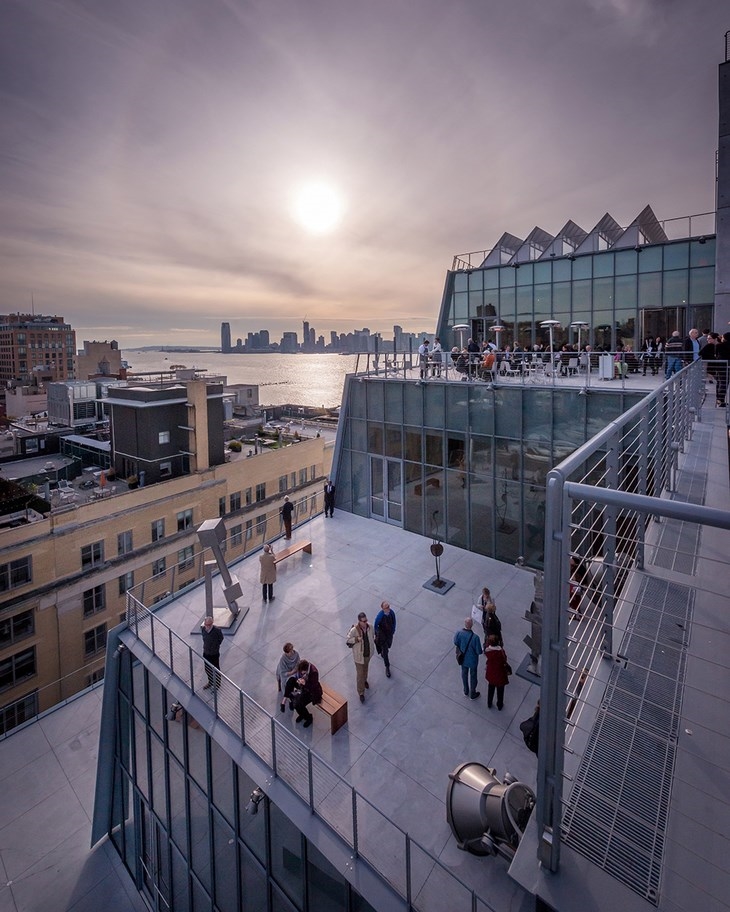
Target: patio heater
<point>550,325</point>
<point>580,325</point>
<point>461,330</point>
<point>498,330</point>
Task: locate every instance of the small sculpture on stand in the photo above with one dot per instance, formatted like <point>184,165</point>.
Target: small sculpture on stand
<point>436,583</point>
<point>211,534</point>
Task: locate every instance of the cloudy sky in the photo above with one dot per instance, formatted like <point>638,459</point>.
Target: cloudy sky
<point>153,150</point>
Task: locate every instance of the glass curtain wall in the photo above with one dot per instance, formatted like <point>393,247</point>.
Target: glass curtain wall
<point>187,829</point>
<point>473,460</point>
<point>614,292</point>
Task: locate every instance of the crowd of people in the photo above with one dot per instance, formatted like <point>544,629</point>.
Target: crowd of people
<point>485,361</point>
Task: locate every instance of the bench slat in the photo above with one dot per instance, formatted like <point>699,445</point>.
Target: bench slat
<point>305,546</point>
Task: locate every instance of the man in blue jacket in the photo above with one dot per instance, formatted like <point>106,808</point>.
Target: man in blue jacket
<point>469,644</point>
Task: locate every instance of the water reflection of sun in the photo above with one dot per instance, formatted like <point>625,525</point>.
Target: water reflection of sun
<point>318,207</point>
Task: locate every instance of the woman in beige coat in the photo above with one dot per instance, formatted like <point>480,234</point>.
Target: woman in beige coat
<point>268,573</point>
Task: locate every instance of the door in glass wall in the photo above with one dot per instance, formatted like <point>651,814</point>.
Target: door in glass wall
<point>663,322</point>
<point>386,489</point>
<point>154,860</point>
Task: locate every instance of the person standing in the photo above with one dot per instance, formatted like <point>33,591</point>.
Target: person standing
<point>490,622</point>
<point>384,628</point>
<point>306,689</point>
<point>423,359</point>
<point>286,669</point>
<point>268,573</point>
<point>329,498</point>
<point>360,640</point>
<point>692,347</point>
<point>286,511</point>
<point>212,639</point>
<point>495,672</point>
<point>468,643</point>
<point>673,351</point>
<point>436,357</point>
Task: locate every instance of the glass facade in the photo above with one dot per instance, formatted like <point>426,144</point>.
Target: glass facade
<point>189,826</point>
<point>623,296</point>
<point>463,462</point>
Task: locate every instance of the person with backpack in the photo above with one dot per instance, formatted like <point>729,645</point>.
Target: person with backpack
<point>468,650</point>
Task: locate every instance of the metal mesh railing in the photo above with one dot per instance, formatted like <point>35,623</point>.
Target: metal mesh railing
<point>389,850</point>
<point>617,633</point>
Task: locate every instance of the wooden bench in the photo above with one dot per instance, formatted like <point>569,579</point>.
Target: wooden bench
<point>305,546</point>
<point>335,706</point>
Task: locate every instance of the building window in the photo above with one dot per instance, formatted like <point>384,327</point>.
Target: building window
<point>94,640</point>
<point>236,535</point>
<point>186,557</point>
<point>283,482</point>
<point>17,668</point>
<point>184,520</point>
<point>95,677</point>
<point>18,712</point>
<point>126,582</point>
<point>158,530</point>
<point>249,529</point>
<point>312,472</point>
<point>92,555</point>
<point>260,492</point>
<point>235,501</point>
<point>248,498</point>
<point>294,479</point>
<point>302,476</point>
<point>165,469</point>
<point>163,437</point>
<point>94,600</point>
<point>159,566</point>
<point>261,524</point>
<point>124,543</point>
<point>16,573</point>
<point>221,506</point>
<point>16,628</point>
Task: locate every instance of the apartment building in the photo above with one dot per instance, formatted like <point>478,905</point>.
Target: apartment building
<point>63,579</point>
<point>34,346</point>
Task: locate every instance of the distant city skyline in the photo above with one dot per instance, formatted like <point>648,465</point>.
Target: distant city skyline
<point>176,164</point>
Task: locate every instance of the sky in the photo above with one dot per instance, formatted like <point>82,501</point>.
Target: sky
<point>153,150</point>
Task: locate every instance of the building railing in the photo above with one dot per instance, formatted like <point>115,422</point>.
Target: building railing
<point>521,368</point>
<point>618,512</point>
<point>405,864</point>
<point>685,226</point>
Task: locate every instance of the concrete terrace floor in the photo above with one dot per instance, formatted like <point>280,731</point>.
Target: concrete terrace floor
<point>399,747</point>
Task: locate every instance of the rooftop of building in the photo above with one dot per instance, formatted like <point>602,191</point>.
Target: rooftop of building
<point>413,730</point>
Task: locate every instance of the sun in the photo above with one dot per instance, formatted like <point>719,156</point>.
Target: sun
<point>318,207</point>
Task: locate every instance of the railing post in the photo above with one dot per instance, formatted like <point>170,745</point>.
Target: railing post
<point>192,673</point>
<point>610,551</point>
<point>354,821</point>
<point>643,483</point>
<point>409,897</point>
<point>172,655</point>
<point>273,745</point>
<point>243,717</point>
<point>310,780</point>
<point>552,690</point>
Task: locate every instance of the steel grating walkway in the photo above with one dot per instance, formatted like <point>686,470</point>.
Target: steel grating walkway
<point>616,815</point>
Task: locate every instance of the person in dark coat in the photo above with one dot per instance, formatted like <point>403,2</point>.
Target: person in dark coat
<point>286,512</point>
<point>212,639</point>
<point>329,498</point>
<point>496,672</point>
<point>384,628</point>
<point>303,690</point>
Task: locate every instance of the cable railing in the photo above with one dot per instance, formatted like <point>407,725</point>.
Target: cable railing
<point>407,866</point>
<point>523,368</point>
<point>622,532</point>
<point>698,225</point>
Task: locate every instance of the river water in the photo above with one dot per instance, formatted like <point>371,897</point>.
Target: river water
<point>314,380</point>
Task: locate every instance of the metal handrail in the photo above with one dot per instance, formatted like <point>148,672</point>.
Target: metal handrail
<point>591,478</point>
<point>280,749</point>
<point>464,262</point>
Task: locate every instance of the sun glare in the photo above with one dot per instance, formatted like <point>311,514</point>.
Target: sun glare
<point>318,208</point>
